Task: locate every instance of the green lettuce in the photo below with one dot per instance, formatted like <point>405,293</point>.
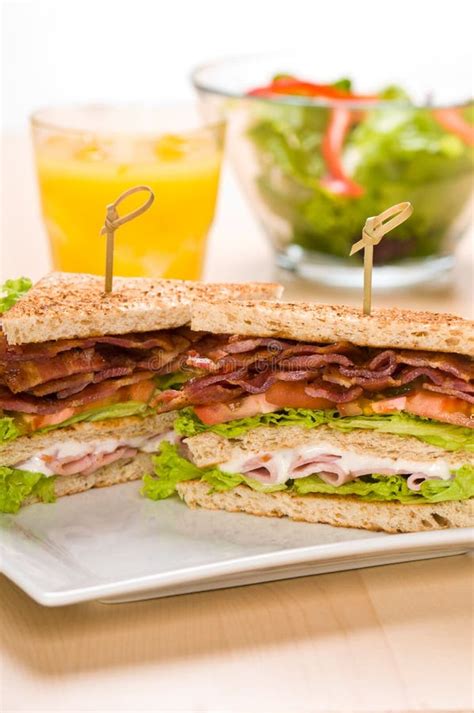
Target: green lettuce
<point>171,381</point>
<point>101,413</point>
<point>9,429</point>
<point>171,469</point>
<point>17,485</point>
<point>11,291</point>
<point>443,435</point>
<point>394,487</point>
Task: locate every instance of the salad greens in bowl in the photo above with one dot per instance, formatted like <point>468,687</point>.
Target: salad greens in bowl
<point>318,155</point>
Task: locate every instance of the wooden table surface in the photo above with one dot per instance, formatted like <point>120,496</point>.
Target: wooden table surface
<point>393,638</point>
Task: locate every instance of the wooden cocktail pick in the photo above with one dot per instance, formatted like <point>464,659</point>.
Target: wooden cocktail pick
<point>374,230</point>
<point>114,221</point>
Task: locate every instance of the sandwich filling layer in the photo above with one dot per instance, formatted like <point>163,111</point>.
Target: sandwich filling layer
<point>172,468</point>
<point>73,457</point>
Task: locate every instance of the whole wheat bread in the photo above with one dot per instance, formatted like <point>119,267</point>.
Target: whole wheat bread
<point>67,305</point>
<point>340,511</point>
<point>404,329</point>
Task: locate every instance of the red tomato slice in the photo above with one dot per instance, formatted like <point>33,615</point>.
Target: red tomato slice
<point>141,391</point>
<point>427,404</point>
<point>244,408</point>
<point>398,403</point>
<point>430,405</point>
<point>351,408</point>
<point>292,395</point>
<point>51,419</point>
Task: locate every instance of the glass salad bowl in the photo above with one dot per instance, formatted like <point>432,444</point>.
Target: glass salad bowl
<point>318,153</point>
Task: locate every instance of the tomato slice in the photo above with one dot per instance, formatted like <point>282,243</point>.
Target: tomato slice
<point>292,395</point>
<point>244,408</point>
<point>453,121</point>
<point>140,391</point>
<point>431,405</point>
<point>351,408</point>
<point>427,404</point>
<point>398,403</point>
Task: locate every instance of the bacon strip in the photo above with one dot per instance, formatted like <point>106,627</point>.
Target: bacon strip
<point>338,396</point>
<point>450,392</point>
<point>23,376</point>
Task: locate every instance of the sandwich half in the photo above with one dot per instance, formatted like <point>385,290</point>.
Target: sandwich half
<point>81,377</point>
<point>322,414</point>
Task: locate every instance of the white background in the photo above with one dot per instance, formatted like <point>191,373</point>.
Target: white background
<point>56,51</point>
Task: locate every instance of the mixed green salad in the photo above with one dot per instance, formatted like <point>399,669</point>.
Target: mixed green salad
<point>325,169</point>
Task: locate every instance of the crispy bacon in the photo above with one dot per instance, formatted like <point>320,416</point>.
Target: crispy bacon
<point>23,376</point>
<point>58,386</point>
<point>44,378</point>
<point>450,392</point>
<point>43,350</point>
<point>322,391</point>
<point>24,403</point>
<point>237,345</point>
<point>459,366</point>
<point>145,340</point>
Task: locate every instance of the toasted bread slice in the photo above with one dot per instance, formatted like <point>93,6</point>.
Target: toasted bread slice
<point>337,510</point>
<point>25,447</point>
<point>209,449</point>
<point>404,329</point>
<point>67,305</point>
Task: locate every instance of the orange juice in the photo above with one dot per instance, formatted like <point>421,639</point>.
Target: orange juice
<point>80,175</point>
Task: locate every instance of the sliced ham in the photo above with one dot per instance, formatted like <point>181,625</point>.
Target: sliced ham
<point>262,468</point>
<point>85,465</point>
<point>416,480</point>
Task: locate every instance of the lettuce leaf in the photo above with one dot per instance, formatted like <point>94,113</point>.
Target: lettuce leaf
<point>394,487</point>
<point>188,423</point>
<point>101,413</point>
<point>17,485</point>
<point>171,381</point>
<point>9,429</point>
<point>171,469</point>
<point>443,435</point>
<point>11,291</point>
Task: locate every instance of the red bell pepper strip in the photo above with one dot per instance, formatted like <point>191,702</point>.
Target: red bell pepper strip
<point>339,124</point>
<point>294,87</point>
<point>453,121</point>
<point>336,180</point>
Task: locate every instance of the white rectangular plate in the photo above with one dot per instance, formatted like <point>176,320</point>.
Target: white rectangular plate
<point>112,544</point>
